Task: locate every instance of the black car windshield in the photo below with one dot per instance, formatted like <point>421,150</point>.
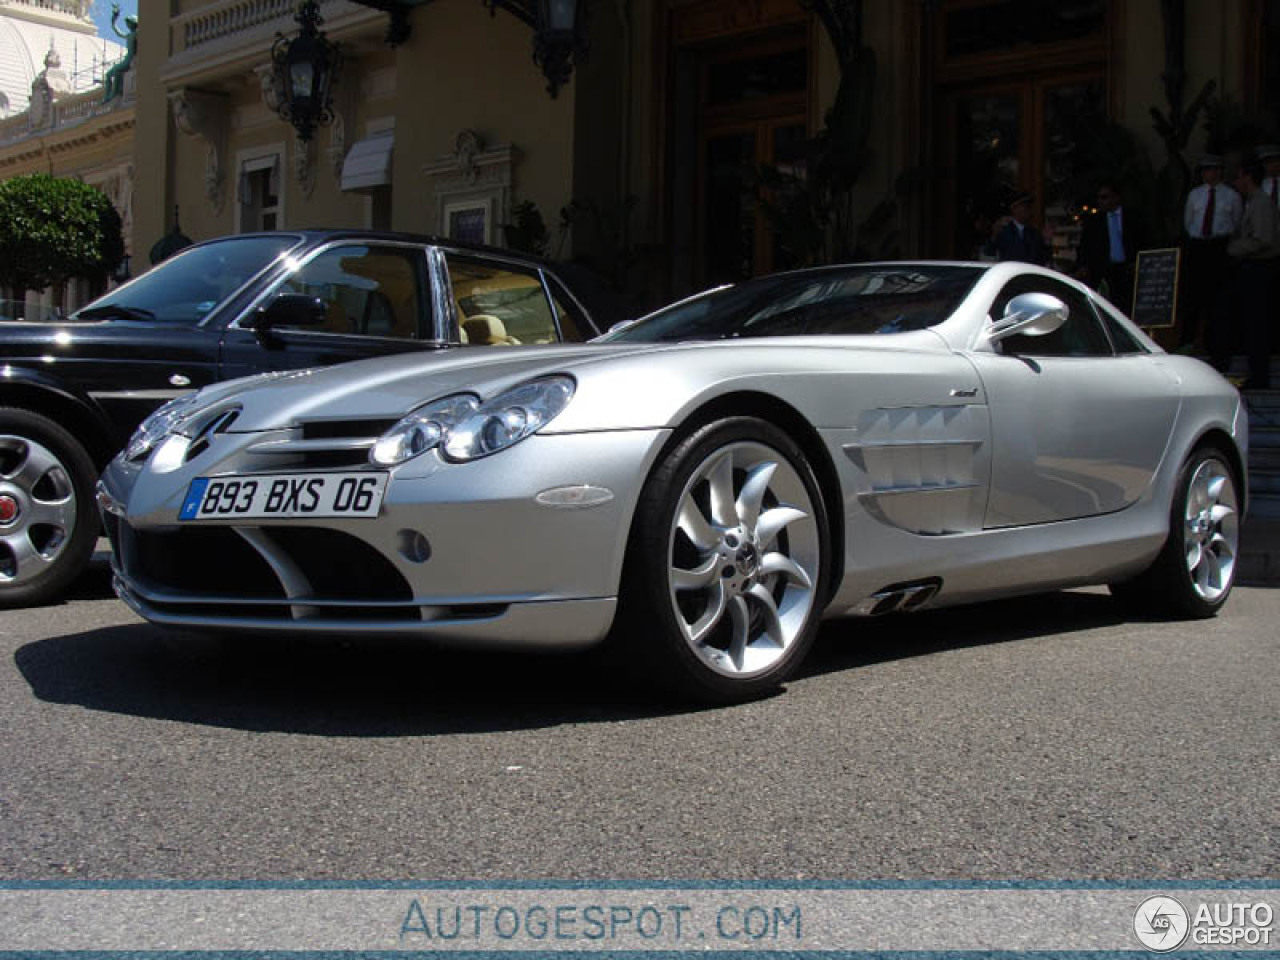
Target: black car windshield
<point>185,288</point>
<point>879,298</point>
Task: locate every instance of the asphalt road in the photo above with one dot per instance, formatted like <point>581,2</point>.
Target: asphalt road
<point>1045,738</point>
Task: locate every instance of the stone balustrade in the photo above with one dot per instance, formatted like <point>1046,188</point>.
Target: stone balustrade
<point>74,8</point>
<point>66,111</point>
<point>223,20</point>
<point>217,21</point>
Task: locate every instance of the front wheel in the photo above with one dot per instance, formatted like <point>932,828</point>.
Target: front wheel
<point>728,563</point>
<point>48,523</point>
<point>1193,574</point>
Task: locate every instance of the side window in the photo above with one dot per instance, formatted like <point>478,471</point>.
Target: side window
<point>574,325</point>
<point>370,291</point>
<point>498,304</point>
<point>1121,339</point>
<point>1081,336</point>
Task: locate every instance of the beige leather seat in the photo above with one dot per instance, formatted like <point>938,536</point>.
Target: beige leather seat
<point>484,329</point>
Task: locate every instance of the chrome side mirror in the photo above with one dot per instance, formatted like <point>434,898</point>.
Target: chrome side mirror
<point>1031,314</point>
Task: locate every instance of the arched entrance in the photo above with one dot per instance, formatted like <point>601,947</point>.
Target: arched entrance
<point>1018,87</point>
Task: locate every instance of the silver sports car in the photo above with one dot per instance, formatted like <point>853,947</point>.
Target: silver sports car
<point>703,485</point>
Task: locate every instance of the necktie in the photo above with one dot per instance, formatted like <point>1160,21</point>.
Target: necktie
<point>1116,233</point>
<point>1206,226</point>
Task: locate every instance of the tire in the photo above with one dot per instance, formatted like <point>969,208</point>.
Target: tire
<point>1193,575</point>
<point>48,518</point>
<point>727,566</point>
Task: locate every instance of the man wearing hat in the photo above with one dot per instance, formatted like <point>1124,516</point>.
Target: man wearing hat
<point>1210,217</point>
<point>1016,238</point>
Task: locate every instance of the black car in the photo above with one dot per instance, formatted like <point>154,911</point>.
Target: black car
<point>71,392</point>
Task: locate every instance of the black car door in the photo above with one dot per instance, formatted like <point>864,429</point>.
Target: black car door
<point>378,300</point>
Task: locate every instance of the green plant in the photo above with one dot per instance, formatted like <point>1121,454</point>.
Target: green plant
<point>53,230</point>
<point>527,231</point>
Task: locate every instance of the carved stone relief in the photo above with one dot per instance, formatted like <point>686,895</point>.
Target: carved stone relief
<point>473,176</point>
<point>204,114</point>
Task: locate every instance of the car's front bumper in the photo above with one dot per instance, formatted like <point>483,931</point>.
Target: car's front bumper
<point>503,567</point>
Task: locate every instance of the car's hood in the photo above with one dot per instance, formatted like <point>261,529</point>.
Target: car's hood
<point>392,386</point>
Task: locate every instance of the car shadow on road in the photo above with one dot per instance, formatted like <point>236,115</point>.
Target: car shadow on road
<point>376,687</point>
<point>851,643</point>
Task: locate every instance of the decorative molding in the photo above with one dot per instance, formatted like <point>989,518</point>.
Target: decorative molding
<point>473,175</point>
<point>205,115</point>
<point>269,85</point>
<point>304,165</point>
<point>337,151</point>
<point>220,40</point>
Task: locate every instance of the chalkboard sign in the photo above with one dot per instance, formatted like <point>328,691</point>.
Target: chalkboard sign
<point>1155,288</point>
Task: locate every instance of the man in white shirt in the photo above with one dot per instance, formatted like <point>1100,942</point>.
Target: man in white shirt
<point>1209,218</point>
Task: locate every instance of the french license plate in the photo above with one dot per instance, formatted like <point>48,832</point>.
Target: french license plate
<point>285,495</point>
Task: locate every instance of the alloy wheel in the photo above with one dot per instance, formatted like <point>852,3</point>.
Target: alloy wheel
<point>1211,530</point>
<point>744,559</point>
<point>37,509</point>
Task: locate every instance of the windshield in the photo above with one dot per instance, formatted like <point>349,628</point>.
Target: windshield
<point>185,288</point>
<point>876,298</point>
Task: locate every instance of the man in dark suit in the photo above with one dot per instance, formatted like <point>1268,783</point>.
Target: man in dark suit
<point>1016,238</point>
<point>1109,245</point>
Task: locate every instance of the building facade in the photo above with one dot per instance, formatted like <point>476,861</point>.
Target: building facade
<point>52,118</point>
<point>650,164</point>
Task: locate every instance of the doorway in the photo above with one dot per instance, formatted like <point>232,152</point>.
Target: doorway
<point>1004,138</point>
<point>738,105</point>
<point>1022,95</point>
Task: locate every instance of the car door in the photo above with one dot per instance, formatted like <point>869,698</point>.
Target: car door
<point>378,302</point>
<point>1078,427</point>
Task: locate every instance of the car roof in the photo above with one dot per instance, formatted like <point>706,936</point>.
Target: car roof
<point>314,235</point>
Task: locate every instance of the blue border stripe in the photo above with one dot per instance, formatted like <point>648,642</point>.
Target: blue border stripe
<point>623,954</point>
<point>195,493</point>
<point>502,885</point>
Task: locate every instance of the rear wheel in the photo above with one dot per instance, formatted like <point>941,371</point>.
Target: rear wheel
<point>48,523</point>
<point>1194,573</point>
<point>728,563</point>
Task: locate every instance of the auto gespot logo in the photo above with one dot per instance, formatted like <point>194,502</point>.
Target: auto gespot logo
<point>1162,924</point>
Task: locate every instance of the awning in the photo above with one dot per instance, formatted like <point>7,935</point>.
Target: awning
<point>368,162</point>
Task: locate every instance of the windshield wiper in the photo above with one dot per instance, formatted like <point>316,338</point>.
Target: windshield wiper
<point>116,310</point>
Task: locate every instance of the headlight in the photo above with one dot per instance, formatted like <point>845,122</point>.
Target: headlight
<point>158,426</point>
<point>508,418</point>
<point>422,429</point>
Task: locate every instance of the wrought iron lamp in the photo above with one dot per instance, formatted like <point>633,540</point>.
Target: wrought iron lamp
<point>305,68</point>
<point>559,34</point>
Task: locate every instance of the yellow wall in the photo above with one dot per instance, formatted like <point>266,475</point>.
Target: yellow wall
<point>462,69</point>
<point>152,200</point>
<point>1215,50</point>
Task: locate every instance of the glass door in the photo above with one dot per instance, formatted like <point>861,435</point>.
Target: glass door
<point>752,113</point>
<point>998,140</point>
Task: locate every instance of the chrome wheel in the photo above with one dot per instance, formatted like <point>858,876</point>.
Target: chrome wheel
<point>1211,530</point>
<point>37,509</point>
<point>744,553</point>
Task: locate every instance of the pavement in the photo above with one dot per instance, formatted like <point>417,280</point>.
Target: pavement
<point>1049,738</point>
